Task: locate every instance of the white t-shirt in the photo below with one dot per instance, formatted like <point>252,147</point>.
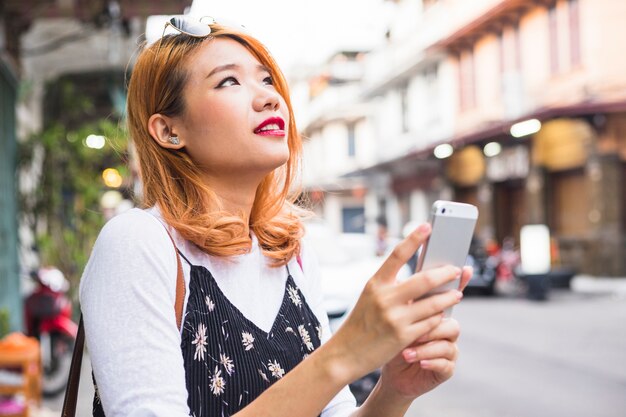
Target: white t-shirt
<point>126,292</point>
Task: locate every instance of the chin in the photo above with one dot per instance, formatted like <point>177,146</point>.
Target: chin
<point>269,158</point>
<point>279,161</point>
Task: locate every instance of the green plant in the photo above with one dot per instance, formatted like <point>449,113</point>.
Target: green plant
<point>63,208</point>
<point>5,323</point>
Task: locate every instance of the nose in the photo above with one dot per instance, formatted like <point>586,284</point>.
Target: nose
<point>266,99</point>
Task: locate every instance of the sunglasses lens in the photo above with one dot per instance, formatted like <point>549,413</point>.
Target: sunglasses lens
<point>190,27</point>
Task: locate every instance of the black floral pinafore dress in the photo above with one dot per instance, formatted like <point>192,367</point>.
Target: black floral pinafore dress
<point>229,361</point>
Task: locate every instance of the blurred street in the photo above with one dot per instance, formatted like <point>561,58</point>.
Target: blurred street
<point>517,107</point>
<point>519,358</point>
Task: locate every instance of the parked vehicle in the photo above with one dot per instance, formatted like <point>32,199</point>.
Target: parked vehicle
<point>485,266</point>
<point>48,313</point>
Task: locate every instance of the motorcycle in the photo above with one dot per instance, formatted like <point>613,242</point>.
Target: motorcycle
<point>48,314</point>
<point>485,266</point>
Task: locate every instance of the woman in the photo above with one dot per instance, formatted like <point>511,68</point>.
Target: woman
<point>218,150</point>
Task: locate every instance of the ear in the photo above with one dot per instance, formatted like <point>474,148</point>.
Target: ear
<point>159,129</point>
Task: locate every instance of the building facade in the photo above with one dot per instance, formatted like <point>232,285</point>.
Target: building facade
<point>517,106</point>
<point>41,42</point>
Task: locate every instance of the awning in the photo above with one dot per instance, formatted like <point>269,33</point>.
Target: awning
<point>88,10</point>
<point>493,131</point>
<point>19,14</point>
<point>507,12</point>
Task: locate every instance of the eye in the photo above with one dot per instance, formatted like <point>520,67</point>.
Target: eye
<point>227,82</point>
<point>268,80</point>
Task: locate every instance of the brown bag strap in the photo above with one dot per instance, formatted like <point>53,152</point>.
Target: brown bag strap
<point>180,287</point>
<point>71,391</point>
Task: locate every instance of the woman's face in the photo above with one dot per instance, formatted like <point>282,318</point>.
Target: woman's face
<point>235,123</point>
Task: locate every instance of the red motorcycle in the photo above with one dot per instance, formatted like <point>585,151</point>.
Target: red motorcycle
<point>48,314</point>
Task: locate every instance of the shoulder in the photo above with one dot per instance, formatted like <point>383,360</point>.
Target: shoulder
<point>132,237</point>
<point>134,224</point>
<point>131,247</point>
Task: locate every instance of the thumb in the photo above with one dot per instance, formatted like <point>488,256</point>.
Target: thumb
<point>468,271</point>
<point>402,253</point>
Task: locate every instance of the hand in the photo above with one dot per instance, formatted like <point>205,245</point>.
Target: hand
<point>386,319</point>
<point>427,362</point>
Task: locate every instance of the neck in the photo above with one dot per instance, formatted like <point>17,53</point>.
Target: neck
<point>237,195</point>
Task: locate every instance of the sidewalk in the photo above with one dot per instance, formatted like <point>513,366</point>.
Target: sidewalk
<point>51,407</point>
<point>599,285</point>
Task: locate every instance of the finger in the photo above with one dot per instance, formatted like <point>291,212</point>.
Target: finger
<point>423,282</point>
<point>402,253</point>
<point>449,329</point>
<point>432,350</point>
<point>441,366</point>
<point>468,271</point>
<point>422,327</point>
<point>434,304</point>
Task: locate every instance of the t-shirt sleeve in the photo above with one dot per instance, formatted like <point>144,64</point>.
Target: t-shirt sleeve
<point>344,403</point>
<point>127,295</point>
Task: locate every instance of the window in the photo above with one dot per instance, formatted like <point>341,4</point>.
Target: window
<point>351,140</point>
<point>554,39</point>
<point>574,32</point>
<point>517,43</point>
<point>404,103</point>
<point>432,94</point>
<point>467,81</point>
<point>501,52</point>
<point>353,219</point>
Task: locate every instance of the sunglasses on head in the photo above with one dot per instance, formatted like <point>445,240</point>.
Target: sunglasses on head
<point>189,26</point>
<point>197,28</point>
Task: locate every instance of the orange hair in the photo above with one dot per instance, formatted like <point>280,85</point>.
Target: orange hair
<point>173,182</point>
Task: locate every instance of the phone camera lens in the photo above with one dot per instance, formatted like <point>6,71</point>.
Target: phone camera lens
<point>443,210</point>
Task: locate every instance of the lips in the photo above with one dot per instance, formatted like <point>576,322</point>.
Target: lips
<point>274,126</point>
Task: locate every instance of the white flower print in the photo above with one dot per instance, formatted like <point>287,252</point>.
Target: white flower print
<point>209,303</point>
<point>217,382</point>
<point>306,338</point>
<point>263,376</point>
<point>276,370</point>
<point>200,342</point>
<point>294,296</point>
<point>319,332</point>
<point>248,340</point>
<point>227,363</point>
<point>290,330</point>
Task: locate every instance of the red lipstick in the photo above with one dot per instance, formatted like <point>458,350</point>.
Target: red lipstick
<point>274,126</point>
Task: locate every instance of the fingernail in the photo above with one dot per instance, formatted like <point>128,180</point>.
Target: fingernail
<point>425,364</point>
<point>409,355</point>
<point>424,228</point>
<point>459,295</point>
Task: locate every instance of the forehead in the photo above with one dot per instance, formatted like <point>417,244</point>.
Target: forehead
<point>221,51</point>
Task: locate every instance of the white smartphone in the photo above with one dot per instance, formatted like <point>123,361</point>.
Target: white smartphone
<point>449,241</point>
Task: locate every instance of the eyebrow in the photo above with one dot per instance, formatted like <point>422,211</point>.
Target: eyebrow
<point>228,67</point>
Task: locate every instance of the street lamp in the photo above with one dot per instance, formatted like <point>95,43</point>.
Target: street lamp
<point>525,128</point>
<point>492,149</point>
<point>95,141</point>
<point>443,151</point>
<point>112,178</point>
